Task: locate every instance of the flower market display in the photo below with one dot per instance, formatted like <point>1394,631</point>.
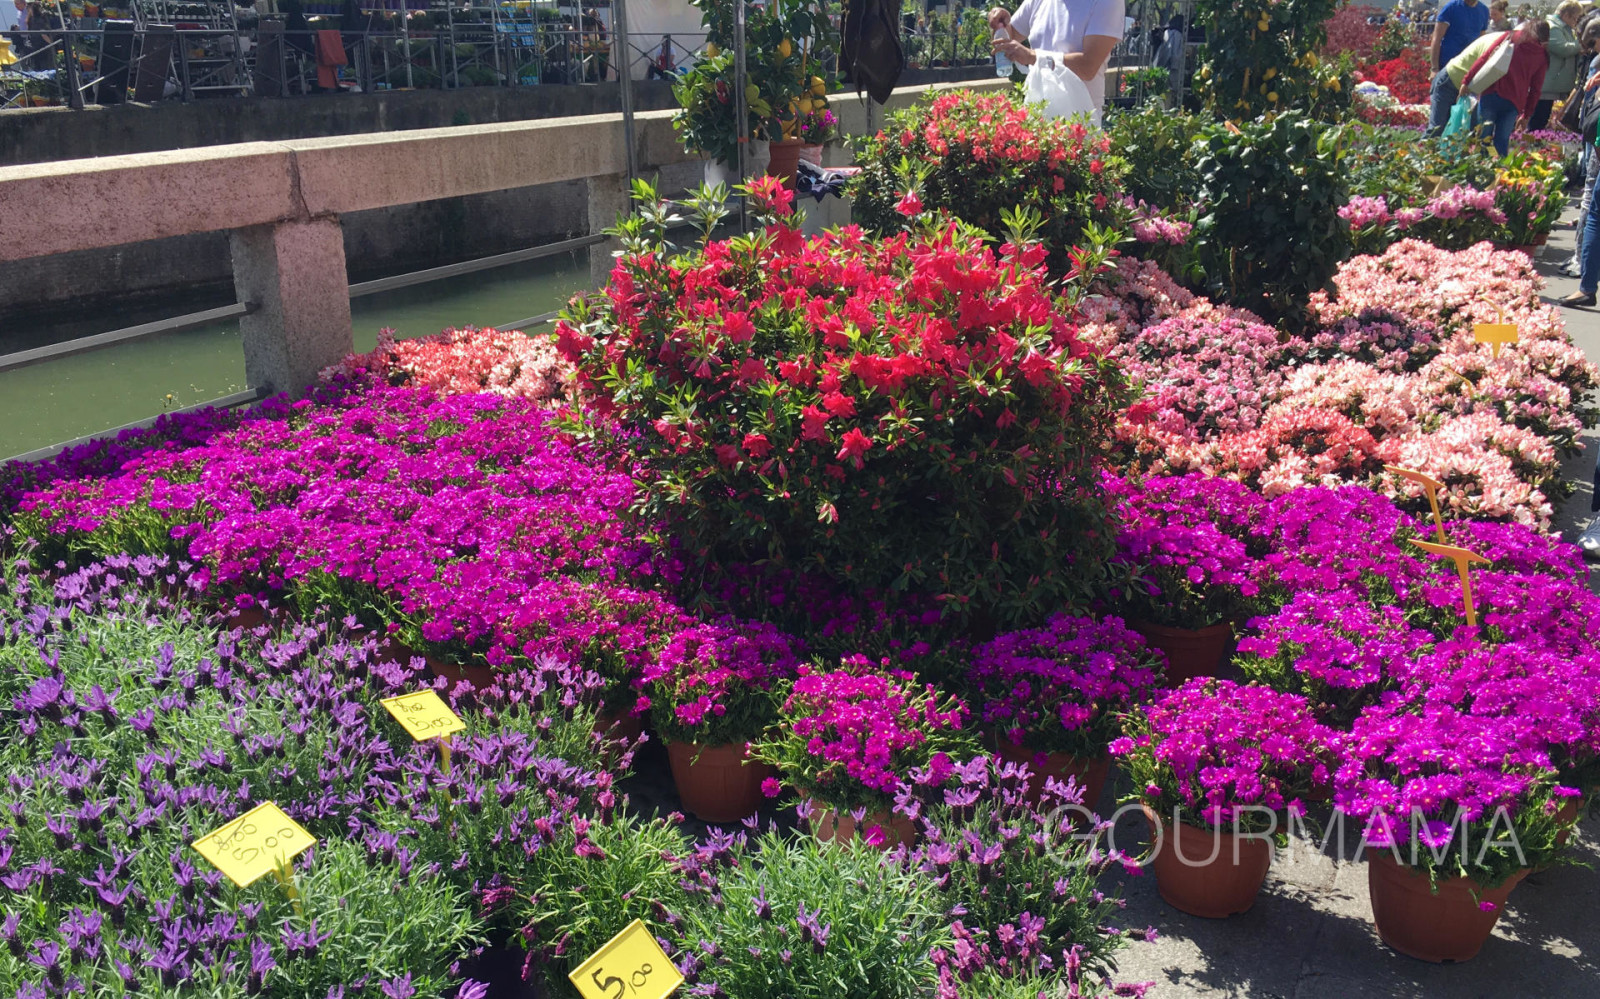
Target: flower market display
<point>820,601</point>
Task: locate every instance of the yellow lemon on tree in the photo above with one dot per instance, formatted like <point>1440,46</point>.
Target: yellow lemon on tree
<point>712,51</point>
<point>1273,97</point>
<point>805,105</point>
<point>1262,25</point>
<point>785,49</point>
<point>818,87</point>
<point>1270,73</point>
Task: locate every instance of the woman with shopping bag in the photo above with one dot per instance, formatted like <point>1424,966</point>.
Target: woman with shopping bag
<point>1515,93</point>
<point>1065,39</point>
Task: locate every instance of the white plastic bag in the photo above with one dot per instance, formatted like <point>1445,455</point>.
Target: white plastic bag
<point>1064,94</point>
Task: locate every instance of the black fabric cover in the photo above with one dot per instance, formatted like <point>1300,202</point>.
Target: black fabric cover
<point>870,45</point>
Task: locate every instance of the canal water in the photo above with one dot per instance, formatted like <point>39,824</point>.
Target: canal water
<point>61,400</point>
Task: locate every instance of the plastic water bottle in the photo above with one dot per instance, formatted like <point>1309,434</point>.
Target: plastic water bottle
<point>1002,65</point>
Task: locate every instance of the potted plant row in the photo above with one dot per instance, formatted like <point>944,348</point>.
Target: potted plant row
<point>1217,767</point>
<point>1053,696</point>
<point>713,690</point>
<point>846,740</point>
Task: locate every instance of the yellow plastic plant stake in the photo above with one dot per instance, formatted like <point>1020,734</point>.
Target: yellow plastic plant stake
<point>630,966</point>
<point>424,715</point>
<point>1430,485</point>
<point>1497,334</point>
<point>261,841</point>
<point>1463,559</point>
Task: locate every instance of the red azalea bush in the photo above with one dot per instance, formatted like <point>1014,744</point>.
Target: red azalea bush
<point>912,412</point>
<point>978,154</point>
<point>1348,30</point>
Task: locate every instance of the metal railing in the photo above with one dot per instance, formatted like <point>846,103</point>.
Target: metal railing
<point>78,66</point>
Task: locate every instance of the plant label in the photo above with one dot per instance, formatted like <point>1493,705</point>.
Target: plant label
<point>1430,486</point>
<point>258,842</point>
<point>424,714</point>
<point>1463,560</point>
<point>630,966</point>
<point>1497,334</point>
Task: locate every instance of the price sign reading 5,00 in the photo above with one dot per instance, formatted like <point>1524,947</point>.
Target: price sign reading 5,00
<point>424,714</point>
<point>630,966</point>
<point>255,843</point>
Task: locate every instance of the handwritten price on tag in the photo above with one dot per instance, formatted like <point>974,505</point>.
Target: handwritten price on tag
<point>424,715</point>
<point>630,966</point>
<point>256,843</point>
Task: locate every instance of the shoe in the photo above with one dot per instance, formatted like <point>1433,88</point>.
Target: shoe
<point>1579,300</point>
<point>1570,268</point>
<point>1589,540</point>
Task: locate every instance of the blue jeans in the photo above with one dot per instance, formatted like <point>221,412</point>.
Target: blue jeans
<point>1589,250</point>
<point>1441,98</point>
<point>1498,116</point>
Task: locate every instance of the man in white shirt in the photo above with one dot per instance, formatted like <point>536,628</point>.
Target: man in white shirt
<point>1082,34</point>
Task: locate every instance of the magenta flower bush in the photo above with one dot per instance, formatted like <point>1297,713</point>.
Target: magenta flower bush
<point>466,523</point>
<point>1449,792</point>
<point>715,684</point>
<point>1216,753</point>
<point>1186,542</point>
<point>1061,688</point>
<point>850,737</point>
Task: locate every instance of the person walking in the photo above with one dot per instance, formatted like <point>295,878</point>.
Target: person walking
<point>1499,17</point>
<point>1516,94</point>
<point>1588,100</point>
<point>1169,56</point>
<point>1459,22</point>
<point>1564,55</point>
<point>1589,217</point>
<point>1080,34</point>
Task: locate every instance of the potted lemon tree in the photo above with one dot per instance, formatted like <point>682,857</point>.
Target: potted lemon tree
<point>786,83</point>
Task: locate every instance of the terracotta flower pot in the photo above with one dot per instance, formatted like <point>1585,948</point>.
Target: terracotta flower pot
<point>831,826</point>
<point>1190,653</point>
<point>1411,918</point>
<point>1567,815</point>
<point>479,676</point>
<point>245,618</point>
<point>784,160</point>
<point>1204,873</point>
<point>716,783</point>
<point>1090,774</point>
<point>619,725</point>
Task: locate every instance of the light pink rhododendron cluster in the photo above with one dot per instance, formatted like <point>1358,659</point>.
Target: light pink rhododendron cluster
<point>1389,372</point>
<point>464,361</point>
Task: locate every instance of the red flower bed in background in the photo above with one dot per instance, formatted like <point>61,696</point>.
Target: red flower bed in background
<point>1407,76</point>
<point>1348,31</point>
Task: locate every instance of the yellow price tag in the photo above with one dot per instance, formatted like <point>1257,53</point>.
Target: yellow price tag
<point>630,966</point>
<point>424,714</point>
<point>1497,334</point>
<point>258,842</point>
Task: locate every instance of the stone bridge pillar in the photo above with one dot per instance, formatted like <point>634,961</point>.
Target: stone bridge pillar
<point>294,274</point>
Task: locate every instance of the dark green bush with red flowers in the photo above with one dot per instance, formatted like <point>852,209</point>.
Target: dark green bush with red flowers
<point>977,155</point>
<point>907,413</point>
